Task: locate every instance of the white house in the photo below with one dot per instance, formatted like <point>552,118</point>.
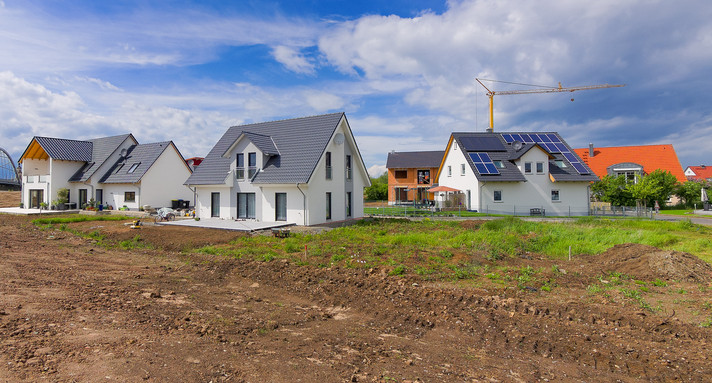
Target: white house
<point>305,171</point>
<point>516,173</point>
<point>114,171</point>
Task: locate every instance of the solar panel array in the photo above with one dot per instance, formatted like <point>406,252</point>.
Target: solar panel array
<point>483,163</point>
<point>551,143</point>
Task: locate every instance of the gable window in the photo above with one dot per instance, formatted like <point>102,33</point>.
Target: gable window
<point>555,197</point>
<point>348,166</point>
<point>129,196</point>
<point>133,168</point>
<point>499,164</point>
<point>424,177</point>
<point>251,164</point>
<point>327,160</point>
<point>462,169</point>
<point>401,174</point>
<point>497,196</point>
<point>328,205</point>
<point>527,168</point>
<point>539,168</point>
<point>240,168</point>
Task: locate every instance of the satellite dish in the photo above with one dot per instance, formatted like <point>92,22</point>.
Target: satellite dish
<point>339,139</point>
<point>517,145</point>
<point>124,152</point>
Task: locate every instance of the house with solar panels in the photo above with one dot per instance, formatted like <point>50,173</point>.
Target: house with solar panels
<point>113,171</point>
<point>304,171</point>
<point>516,173</point>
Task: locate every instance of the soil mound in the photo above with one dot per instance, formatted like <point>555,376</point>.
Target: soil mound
<point>648,262</point>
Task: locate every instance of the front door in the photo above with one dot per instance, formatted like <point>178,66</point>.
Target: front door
<point>246,205</point>
<point>36,197</point>
<point>215,204</point>
<point>281,206</point>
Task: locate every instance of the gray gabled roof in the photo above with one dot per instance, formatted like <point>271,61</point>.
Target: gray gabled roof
<point>138,160</point>
<point>64,149</point>
<point>499,150</point>
<point>264,143</point>
<point>425,159</point>
<point>102,150</point>
<point>301,143</point>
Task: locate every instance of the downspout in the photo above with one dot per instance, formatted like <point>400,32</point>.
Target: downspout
<point>479,197</point>
<point>195,196</point>
<point>304,204</point>
<point>138,185</point>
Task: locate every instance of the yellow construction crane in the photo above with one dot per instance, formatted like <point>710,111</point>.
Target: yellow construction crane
<point>553,89</point>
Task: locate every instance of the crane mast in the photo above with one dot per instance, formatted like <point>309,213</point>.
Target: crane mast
<point>492,93</point>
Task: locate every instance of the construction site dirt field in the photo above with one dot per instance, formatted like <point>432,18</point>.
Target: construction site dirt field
<point>9,198</point>
<point>74,311</point>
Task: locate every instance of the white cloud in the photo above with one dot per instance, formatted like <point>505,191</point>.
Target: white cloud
<point>321,101</point>
<point>376,171</point>
<point>292,59</point>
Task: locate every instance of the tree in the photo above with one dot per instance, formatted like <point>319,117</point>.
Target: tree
<point>378,191</point>
<point>614,190</point>
<point>690,191</point>
<point>656,186</point>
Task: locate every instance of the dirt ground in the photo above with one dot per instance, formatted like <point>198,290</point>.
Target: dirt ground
<point>9,198</point>
<point>72,311</point>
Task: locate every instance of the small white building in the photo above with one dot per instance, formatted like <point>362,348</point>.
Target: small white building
<point>304,171</point>
<point>113,171</point>
<point>516,173</point>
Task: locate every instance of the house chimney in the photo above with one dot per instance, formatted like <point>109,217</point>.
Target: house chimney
<point>590,150</point>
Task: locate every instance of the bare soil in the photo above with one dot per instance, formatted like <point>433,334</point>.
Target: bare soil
<point>73,311</point>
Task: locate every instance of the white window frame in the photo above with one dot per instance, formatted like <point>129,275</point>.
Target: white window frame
<point>528,164</point>
<point>462,169</point>
<point>539,164</point>
<point>494,196</point>
<point>449,170</point>
<point>555,195</point>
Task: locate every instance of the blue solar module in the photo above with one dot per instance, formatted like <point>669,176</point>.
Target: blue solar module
<point>527,138</point>
<point>483,163</point>
<point>508,138</point>
<point>579,168</point>
<point>481,144</point>
<point>553,137</point>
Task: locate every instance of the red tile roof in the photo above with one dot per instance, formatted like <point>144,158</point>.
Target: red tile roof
<point>701,172</point>
<point>651,157</point>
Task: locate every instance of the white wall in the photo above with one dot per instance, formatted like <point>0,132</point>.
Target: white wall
<point>203,208</point>
<point>455,158</point>
<point>163,182</point>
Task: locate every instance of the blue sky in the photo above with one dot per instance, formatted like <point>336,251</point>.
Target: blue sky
<point>403,71</point>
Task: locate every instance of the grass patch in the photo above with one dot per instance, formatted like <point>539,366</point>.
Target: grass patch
<point>78,218</point>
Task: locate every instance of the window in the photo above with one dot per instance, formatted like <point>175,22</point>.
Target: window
<point>348,204</point>
<point>499,164</point>
<point>30,179</point>
<point>246,205</point>
<point>462,169</point>
<point>82,198</point>
<point>328,165</point>
<point>328,205</point>
<point>539,167</point>
<point>424,177</point>
<point>215,204</point>
<point>240,166</point>
<point>527,168</point>
<point>129,196</point>
<point>561,164</point>
<point>118,168</point>
<point>348,166</point>
<point>555,196</point>
<point>401,174</point>
<point>497,196</point>
<point>281,206</point>
<point>449,171</point>
<point>133,167</point>
<point>251,164</point>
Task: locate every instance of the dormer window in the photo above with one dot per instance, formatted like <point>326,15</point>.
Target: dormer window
<point>499,164</point>
<point>240,168</point>
<point>251,164</point>
<point>133,168</point>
